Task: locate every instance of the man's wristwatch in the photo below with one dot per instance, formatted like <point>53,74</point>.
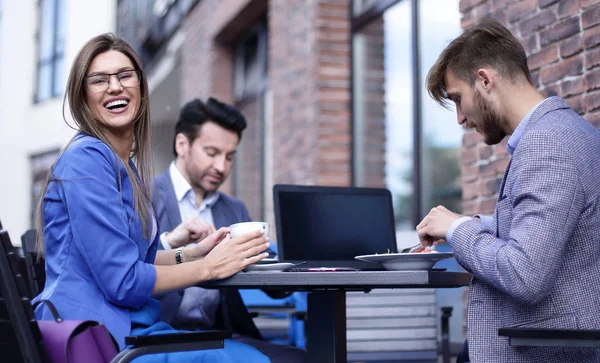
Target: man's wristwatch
<point>178,258</point>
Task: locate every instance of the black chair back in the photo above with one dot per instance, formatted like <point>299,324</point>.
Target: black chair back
<point>20,337</point>
<point>35,265</point>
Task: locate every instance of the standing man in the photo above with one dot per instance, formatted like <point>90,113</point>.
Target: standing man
<point>536,262</point>
<point>206,139</point>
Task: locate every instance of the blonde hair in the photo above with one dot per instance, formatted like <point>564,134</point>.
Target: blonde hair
<point>86,122</point>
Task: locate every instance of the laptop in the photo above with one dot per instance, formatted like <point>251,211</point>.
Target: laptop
<point>326,227</point>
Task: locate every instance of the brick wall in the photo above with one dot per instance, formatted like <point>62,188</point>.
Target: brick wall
<point>309,74</point>
<point>207,64</point>
<point>369,104</point>
<point>562,39</point>
<point>309,79</point>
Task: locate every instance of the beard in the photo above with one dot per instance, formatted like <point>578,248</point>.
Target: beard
<point>490,127</point>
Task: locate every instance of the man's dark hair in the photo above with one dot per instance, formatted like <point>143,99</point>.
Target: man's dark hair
<point>487,44</point>
<point>196,113</point>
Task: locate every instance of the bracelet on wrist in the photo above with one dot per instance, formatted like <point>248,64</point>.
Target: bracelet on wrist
<point>178,255</point>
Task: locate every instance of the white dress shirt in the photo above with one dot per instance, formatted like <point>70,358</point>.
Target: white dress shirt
<point>198,306</point>
<point>186,199</point>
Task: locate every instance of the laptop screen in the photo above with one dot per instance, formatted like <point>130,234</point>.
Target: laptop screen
<point>332,224</point>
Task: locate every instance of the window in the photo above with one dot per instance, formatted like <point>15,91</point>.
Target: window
<point>40,165</point>
<point>250,89</point>
<point>403,140</point>
<point>51,72</point>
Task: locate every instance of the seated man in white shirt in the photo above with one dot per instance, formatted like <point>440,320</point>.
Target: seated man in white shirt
<point>206,139</point>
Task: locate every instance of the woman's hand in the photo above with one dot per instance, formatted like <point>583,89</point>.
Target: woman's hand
<point>202,248</point>
<point>192,230</point>
<point>231,255</point>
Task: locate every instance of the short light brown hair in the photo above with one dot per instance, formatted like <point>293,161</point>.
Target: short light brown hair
<point>487,44</point>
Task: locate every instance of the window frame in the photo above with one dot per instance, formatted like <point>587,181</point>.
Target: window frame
<point>57,57</point>
<point>358,22</point>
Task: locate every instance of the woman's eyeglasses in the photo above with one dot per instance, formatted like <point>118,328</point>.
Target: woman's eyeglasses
<point>99,82</point>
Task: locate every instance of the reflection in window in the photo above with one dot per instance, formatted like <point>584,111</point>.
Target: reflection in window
<point>384,117</point>
<point>51,49</point>
<point>441,136</point>
<point>250,86</point>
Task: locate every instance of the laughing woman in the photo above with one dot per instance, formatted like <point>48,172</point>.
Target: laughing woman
<point>99,227</point>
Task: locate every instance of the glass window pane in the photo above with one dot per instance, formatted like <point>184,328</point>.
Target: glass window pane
<point>382,104</point>
<point>442,136</point>
<point>61,26</point>
<point>44,82</point>
<point>360,6</point>
<point>46,35</point>
<point>60,76</point>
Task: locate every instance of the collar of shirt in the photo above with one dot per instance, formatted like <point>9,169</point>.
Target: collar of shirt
<point>513,141</point>
<point>183,190</point>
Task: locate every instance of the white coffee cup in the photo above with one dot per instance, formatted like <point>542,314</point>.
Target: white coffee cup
<point>238,229</point>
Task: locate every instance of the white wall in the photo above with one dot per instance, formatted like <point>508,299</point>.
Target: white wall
<point>27,128</point>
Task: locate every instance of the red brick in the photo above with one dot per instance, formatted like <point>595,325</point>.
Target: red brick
<point>587,3</point>
<point>545,3</point>
<point>592,80</point>
<point>469,172</point>
<point>577,104</point>
<point>530,44</point>
<point>572,87</point>
<point>500,148</point>
<point>500,15</point>
<point>469,207</point>
<point>590,17</point>
<point>561,30</point>
<point>567,7</point>
<point>496,167</point>
<point>535,78</point>
<point>569,67</point>
<point>485,152</point>
<point>544,57</point>
<point>552,90</point>
<point>592,58</point>
<point>467,21</point>
<point>470,191</point>
<point>501,4</point>
<point>488,205</point>
<point>468,155</point>
<point>593,118</point>
<point>465,5</point>
<point>592,101</point>
<point>481,10</point>
<point>539,20</point>
<point>571,46</point>
<point>591,37</point>
<point>489,187</point>
<point>471,138</point>
<point>521,9</point>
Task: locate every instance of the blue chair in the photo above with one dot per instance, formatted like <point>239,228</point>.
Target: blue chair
<point>282,320</point>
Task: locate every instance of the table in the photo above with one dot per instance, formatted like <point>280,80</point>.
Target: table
<point>326,325</point>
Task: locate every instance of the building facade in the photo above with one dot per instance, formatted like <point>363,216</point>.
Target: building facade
<point>38,41</point>
<point>332,90</point>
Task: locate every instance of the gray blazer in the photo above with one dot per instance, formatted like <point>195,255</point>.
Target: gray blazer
<point>539,266</point>
<point>232,313</point>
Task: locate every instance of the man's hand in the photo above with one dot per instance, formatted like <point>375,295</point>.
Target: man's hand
<point>192,230</point>
<point>434,226</point>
